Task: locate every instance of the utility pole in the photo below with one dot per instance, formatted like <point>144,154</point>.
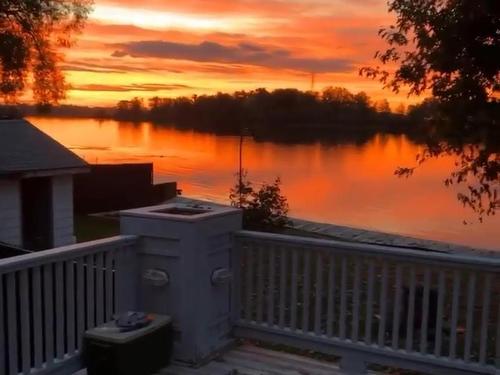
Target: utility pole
<point>243,132</point>
<point>313,81</point>
<point>240,186</point>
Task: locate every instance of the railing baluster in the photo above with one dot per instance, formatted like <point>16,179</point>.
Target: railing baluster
<point>343,300</point>
<point>454,313</point>
<point>36,287</point>
<point>411,311</point>
<point>355,300</point>
<point>90,288</point>
<point>331,297</point>
<point>293,302</point>
<point>397,308</point>
<point>369,302</point>
<point>485,316</point>
<point>12,323</point>
<point>283,289</point>
<point>270,290</point>
<point>249,282</point>
<point>48,302</point>
<point>59,286</point>
<point>440,314</point>
<point>25,321</point>
<point>80,302</point>
<point>383,305</point>
<point>260,284</point>
<point>425,311</point>
<point>99,289</point>
<point>306,291</point>
<point>70,306</point>
<point>318,309</point>
<point>109,285</point>
<point>469,324</point>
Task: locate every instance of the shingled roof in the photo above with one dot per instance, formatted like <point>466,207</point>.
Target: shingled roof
<point>24,148</point>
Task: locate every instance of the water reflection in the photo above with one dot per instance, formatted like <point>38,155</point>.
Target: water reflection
<point>345,183</point>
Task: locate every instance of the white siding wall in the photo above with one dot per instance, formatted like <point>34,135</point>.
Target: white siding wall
<point>62,200</point>
<point>10,212</point>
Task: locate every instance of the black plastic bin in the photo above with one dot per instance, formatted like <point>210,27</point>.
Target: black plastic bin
<point>140,352</point>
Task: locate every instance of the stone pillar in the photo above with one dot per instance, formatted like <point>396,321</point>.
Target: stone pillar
<point>184,261</point>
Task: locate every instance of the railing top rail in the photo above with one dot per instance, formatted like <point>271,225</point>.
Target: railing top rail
<point>394,252</point>
<point>63,253</point>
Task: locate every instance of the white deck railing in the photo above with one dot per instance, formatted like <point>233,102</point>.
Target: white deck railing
<point>48,299</point>
<point>370,304</point>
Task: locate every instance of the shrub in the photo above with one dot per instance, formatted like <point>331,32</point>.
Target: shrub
<point>265,209</point>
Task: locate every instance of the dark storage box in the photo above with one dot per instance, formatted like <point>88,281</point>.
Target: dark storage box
<point>140,352</point>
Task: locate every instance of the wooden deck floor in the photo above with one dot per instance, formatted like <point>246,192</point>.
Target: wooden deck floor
<point>250,360</point>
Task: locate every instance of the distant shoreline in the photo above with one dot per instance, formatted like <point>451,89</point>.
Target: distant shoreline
<point>278,114</point>
<point>336,133</point>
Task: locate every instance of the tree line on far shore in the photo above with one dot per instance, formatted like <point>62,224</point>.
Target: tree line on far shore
<point>262,111</point>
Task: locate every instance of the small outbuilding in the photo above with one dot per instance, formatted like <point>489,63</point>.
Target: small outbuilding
<point>36,187</point>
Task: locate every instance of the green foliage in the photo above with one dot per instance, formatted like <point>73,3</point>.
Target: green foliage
<point>264,209</point>
<point>31,31</point>
<point>445,46</point>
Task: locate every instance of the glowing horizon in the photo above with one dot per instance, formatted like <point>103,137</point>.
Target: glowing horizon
<point>154,48</point>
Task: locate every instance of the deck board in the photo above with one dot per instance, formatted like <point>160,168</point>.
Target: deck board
<point>250,360</point>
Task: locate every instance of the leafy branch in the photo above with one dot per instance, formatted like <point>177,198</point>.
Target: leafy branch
<point>263,209</point>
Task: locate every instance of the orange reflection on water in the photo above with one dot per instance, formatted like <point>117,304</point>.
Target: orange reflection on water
<point>344,184</point>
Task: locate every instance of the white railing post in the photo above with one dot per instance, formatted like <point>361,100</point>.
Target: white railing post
<point>185,263</point>
<point>236,287</point>
<point>126,279</point>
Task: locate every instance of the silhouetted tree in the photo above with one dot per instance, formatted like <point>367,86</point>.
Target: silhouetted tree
<point>338,96</point>
<point>383,106</point>
<point>477,170</point>
<point>362,100</point>
<point>263,209</point>
<point>30,34</point>
<point>130,110</point>
<point>445,46</point>
<point>260,111</point>
<point>400,109</point>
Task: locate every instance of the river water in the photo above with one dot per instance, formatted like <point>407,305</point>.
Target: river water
<point>346,183</point>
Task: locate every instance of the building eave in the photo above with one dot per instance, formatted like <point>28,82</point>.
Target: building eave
<point>45,172</point>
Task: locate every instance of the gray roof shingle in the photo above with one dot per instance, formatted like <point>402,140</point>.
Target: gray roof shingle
<point>25,148</point>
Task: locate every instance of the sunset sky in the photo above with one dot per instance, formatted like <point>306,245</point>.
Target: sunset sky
<point>172,48</point>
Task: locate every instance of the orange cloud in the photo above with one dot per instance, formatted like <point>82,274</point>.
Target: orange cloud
<point>224,45</point>
<point>243,53</point>
<point>218,7</point>
<point>149,87</point>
